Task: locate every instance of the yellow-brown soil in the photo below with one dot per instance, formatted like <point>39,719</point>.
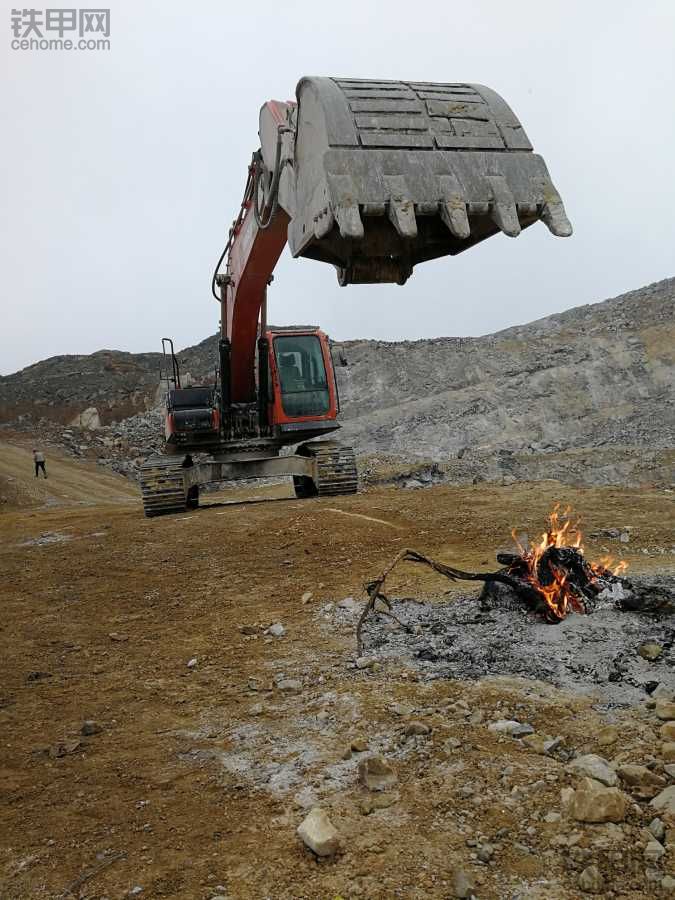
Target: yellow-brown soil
<point>175,781</point>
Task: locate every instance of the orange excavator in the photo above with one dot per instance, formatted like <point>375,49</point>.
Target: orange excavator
<point>372,177</point>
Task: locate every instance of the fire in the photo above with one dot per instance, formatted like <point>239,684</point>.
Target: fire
<point>551,580</point>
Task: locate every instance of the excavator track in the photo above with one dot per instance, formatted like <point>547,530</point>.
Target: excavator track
<point>335,470</point>
<point>163,485</point>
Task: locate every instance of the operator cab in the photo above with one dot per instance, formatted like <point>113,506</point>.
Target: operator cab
<point>302,375</point>
<point>304,396</point>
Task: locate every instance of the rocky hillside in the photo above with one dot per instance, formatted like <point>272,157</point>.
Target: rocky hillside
<point>596,378</point>
<point>595,375</point>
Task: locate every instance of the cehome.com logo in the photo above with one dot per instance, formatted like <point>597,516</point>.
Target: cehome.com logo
<point>50,29</point>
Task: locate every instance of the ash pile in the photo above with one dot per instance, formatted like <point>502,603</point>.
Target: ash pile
<point>619,654</point>
<point>547,613</point>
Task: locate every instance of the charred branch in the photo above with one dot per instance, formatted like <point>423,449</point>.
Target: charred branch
<point>562,581</point>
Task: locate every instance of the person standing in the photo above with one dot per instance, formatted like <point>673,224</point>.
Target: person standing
<point>39,460</point>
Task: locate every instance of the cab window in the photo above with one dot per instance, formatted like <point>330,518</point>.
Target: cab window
<point>302,375</point>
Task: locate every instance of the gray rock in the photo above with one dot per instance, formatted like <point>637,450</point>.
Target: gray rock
<point>289,685</point>
<point>591,880</point>
<point>665,801</point>
<point>276,630</point>
<point>658,829</point>
<point>641,781</point>
<point>462,884</point>
<point>653,852</point>
<point>364,662</point>
<point>592,766</point>
<point>400,709</point>
<point>485,852</point>
<point>417,728</point>
<point>511,727</point>
<point>318,833</point>
<point>376,774</point>
<point>349,604</point>
<point>90,727</point>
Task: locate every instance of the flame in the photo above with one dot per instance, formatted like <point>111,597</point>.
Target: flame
<point>562,531</point>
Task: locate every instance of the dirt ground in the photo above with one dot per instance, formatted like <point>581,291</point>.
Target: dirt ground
<point>68,482</point>
<point>199,776</point>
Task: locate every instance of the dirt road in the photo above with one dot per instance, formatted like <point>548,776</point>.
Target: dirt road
<point>69,482</point>
<point>214,742</point>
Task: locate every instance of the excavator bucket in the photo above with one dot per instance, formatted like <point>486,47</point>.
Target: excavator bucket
<point>388,174</point>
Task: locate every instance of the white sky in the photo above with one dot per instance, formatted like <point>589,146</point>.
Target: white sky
<point>123,169</point>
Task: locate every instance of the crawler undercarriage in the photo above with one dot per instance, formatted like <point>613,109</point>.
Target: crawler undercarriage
<point>171,484</point>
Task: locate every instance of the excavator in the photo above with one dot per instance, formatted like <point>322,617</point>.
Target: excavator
<point>372,177</point>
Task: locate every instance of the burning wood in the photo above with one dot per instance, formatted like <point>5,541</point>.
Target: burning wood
<point>557,569</point>
<point>553,577</point>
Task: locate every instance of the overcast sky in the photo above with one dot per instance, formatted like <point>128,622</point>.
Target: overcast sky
<point>124,168</point>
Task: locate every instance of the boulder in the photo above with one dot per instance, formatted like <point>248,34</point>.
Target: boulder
<point>90,727</point>
<point>608,735</point>
<point>414,729</point>
<point>376,774</point>
<point>665,709</point>
<point>653,852</point>
<point>289,685</point>
<point>462,884</point>
<point>591,881</point>
<point>642,781</point>
<point>88,419</point>
<point>536,743</point>
<point>592,766</point>
<point>665,801</point>
<point>667,731</point>
<point>511,727</point>
<point>592,802</point>
<point>318,833</point>
<point>657,829</point>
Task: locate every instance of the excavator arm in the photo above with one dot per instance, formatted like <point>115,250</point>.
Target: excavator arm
<point>374,177</point>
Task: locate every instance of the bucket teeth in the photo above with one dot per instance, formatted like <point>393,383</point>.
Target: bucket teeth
<point>389,174</point>
<point>401,208</point>
<point>349,221</point>
<point>554,217</point>
<point>503,208</point>
<point>345,207</point>
<point>323,222</point>
<point>453,207</point>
